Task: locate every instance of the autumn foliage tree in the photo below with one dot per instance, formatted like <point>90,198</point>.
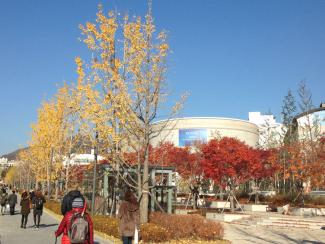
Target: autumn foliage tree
<point>46,137</point>
<point>186,161</point>
<point>266,166</point>
<point>124,89</point>
<point>229,163</point>
<point>318,169</point>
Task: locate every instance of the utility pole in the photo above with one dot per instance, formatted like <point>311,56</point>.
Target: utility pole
<point>94,176</point>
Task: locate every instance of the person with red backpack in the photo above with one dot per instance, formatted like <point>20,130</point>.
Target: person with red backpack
<point>66,204</point>
<point>76,225</point>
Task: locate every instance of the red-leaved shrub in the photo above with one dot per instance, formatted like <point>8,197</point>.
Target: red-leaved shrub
<point>188,226</point>
<point>106,225</point>
<point>161,228</point>
<point>154,233</point>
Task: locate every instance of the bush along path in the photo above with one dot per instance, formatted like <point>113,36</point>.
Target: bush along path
<point>162,228</point>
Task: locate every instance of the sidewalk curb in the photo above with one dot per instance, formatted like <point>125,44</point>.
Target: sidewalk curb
<point>97,233</point>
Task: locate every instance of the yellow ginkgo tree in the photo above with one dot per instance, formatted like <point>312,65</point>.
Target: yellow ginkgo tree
<point>48,139</point>
<point>124,89</point>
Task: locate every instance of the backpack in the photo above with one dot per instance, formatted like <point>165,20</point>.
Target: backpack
<point>78,231</point>
<point>39,203</point>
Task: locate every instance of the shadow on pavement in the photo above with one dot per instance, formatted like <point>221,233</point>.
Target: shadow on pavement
<point>47,225</point>
<point>311,242</point>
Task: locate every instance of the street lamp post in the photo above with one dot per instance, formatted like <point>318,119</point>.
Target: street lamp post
<point>94,175</point>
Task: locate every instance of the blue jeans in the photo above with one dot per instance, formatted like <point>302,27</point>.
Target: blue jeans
<point>127,239</point>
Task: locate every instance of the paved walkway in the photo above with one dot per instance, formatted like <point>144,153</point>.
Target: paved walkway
<point>252,233</point>
<point>241,234</point>
<point>11,233</point>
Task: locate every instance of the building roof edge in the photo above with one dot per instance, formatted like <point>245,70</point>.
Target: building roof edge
<point>220,118</point>
<point>308,112</point>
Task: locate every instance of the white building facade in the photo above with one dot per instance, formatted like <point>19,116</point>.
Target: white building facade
<point>81,159</point>
<point>5,163</point>
<point>311,123</point>
<point>271,133</point>
<point>187,131</point>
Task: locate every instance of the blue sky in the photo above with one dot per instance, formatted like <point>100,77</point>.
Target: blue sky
<point>232,56</point>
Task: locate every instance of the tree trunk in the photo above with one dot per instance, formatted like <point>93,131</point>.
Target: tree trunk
<point>221,194</point>
<point>139,175</point>
<point>56,190</point>
<point>49,174</point>
<point>67,175</point>
<point>36,184</point>
<point>145,188</point>
<point>28,179</point>
<point>117,183</point>
<point>43,187</point>
<point>232,203</point>
<point>194,201</point>
<point>93,197</point>
<point>256,198</point>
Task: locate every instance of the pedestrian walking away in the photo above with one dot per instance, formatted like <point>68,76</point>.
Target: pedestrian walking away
<point>76,225</point>
<point>66,205</point>
<point>38,203</point>
<point>12,200</point>
<point>3,200</point>
<point>25,209</point>
<point>129,218</point>
<point>31,194</point>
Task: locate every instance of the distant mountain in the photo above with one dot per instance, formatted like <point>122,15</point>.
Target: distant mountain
<point>13,155</point>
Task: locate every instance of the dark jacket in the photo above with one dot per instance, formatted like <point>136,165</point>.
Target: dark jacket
<point>25,206</point>
<point>129,216</point>
<point>66,204</point>
<point>3,198</point>
<point>12,199</point>
<point>34,204</point>
<point>66,222</point>
<point>31,195</point>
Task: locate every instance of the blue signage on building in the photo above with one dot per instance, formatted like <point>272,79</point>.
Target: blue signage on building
<point>187,137</point>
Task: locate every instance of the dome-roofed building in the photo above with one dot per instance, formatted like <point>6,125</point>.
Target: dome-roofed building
<point>186,131</point>
<point>310,123</point>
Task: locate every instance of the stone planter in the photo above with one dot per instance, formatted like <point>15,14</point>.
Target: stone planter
<point>307,211</point>
<point>255,207</point>
<point>225,217</point>
<point>280,209</point>
<point>183,211</point>
<point>304,211</point>
<point>219,204</point>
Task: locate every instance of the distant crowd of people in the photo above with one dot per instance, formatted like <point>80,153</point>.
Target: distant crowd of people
<point>33,200</point>
<point>76,226</point>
